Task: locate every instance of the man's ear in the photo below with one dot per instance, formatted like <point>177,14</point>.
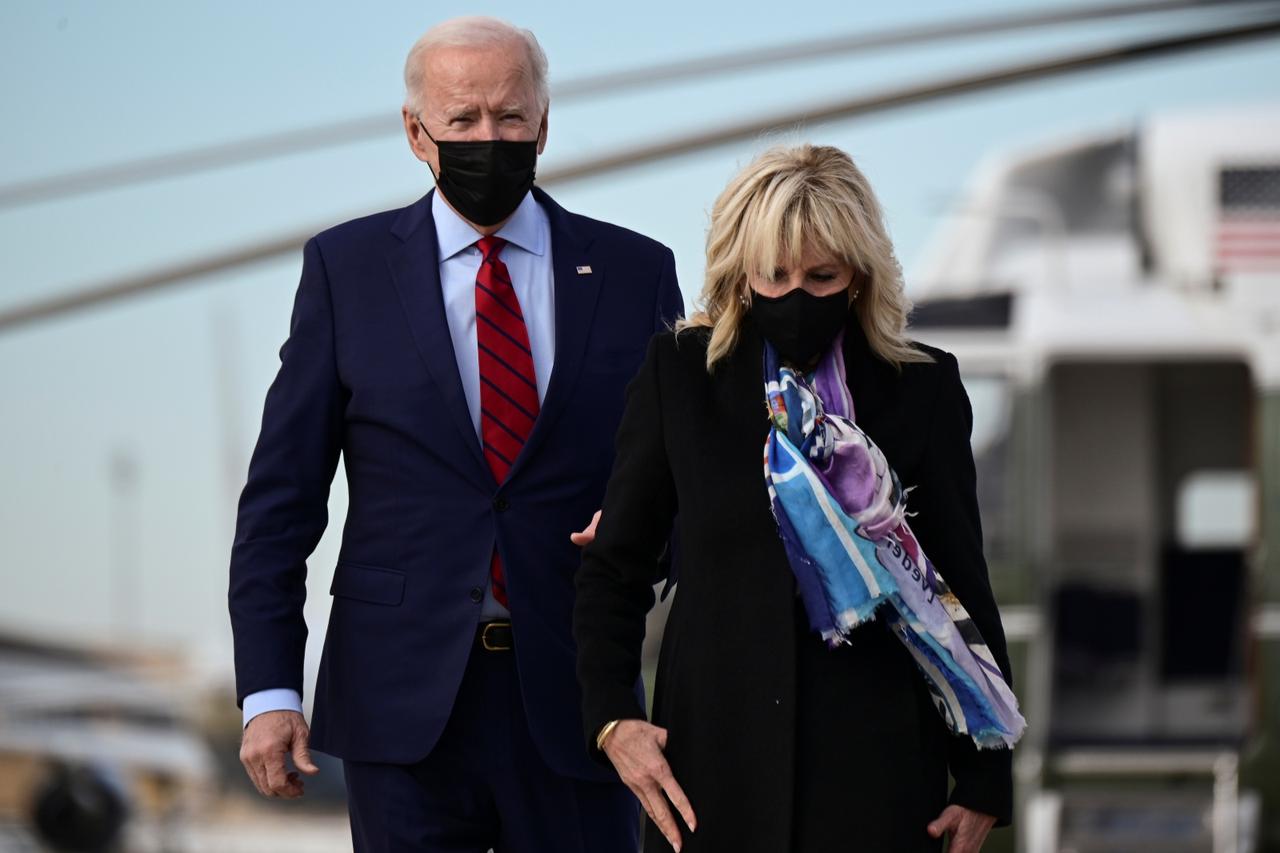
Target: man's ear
<point>542,131</point>
<point>418,142</point>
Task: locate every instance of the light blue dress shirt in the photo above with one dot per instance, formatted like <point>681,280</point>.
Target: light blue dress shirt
<point>528,259</point>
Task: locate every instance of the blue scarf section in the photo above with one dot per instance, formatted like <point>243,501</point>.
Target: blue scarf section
<point>842,515</point>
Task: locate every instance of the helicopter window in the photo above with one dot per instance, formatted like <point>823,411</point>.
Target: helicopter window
<point>1217,509</point>
<point>1088,192</point>
<point>973,312</point>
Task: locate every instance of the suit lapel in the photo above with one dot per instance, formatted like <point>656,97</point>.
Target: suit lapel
<point>576,294</point>
<point>415,269</point>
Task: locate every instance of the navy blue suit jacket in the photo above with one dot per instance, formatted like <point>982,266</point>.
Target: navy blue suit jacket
<point>368,374</point>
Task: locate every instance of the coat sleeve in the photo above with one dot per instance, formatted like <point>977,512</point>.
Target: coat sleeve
<point>614,582</point>
<point>949,528</point>
<point>284,506</point>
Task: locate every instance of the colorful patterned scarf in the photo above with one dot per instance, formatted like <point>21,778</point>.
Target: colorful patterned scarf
<point>841,512</point>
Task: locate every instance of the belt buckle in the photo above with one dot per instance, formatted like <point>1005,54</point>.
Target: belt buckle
<point>490,645</point>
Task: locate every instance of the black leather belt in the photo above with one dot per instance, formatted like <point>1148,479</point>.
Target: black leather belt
<point>495,636</point>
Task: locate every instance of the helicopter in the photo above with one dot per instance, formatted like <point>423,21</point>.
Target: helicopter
<point>1114,302</point>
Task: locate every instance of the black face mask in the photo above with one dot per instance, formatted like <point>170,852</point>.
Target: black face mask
<point>800,325</point>
<point>485,181</point>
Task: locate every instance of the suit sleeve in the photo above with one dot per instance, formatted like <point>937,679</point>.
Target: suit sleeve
<point>670,302</point>
<point>669,309</point>
<point>614,582</point>
<point>284,506</point>
<point>949,527</point>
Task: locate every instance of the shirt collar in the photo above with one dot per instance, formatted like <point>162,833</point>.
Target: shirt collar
<point>527,228</point>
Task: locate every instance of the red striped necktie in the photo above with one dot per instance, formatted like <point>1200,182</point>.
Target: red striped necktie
<point>508,385</point>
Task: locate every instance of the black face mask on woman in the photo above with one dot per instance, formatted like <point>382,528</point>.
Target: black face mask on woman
<point>800,325</point>
<point>485,181</point>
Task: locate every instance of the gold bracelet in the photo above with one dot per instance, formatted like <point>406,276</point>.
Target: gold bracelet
<point>605,731</point>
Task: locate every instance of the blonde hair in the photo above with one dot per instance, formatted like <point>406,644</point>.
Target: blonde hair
<point>789,199</point>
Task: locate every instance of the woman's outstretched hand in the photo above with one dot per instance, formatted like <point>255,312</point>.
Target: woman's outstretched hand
<point>635,748</point>
<point>583,538</point>
<point>968,828</point>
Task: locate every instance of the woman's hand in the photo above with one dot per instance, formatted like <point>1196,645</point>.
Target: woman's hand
<point>968,828</point>
<point>583,538</point>
<point>635,748</point>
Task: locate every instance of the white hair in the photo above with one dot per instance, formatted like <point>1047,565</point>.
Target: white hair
<point>473,31</point>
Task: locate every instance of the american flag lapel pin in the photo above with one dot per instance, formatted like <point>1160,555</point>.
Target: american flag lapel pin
<point>584,270</point>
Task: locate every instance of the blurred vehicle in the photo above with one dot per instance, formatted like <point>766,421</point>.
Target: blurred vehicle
<point>88,743</point>
<point>1114,301</point>
<point>112,750</point>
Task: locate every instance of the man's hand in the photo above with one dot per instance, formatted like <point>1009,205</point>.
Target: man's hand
<point>635,748</point>
<point>267,739</point>
<point>583,538</point>
<point>968,828</point>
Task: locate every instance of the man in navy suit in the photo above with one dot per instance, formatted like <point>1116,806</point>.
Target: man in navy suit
<point>466,357</point>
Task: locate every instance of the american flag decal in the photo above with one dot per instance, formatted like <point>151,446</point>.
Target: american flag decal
<point>1247,238</point>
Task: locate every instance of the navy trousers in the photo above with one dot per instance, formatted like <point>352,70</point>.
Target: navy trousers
<point>485,786</point>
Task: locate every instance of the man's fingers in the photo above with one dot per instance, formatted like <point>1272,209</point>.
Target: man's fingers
<point>588,533</point>
<point>275,772</point>
<point>268,740</point>
<point>661,736</point>
<point>254,773</point>
<point>302,755</point>
<point>254,770</point>
<point>293,787</point>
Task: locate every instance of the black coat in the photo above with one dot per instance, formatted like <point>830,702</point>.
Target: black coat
<point>775,739</point>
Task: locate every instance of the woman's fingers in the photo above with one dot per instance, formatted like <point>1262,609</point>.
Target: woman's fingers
<point>972,832</point>
<point>675,794</point>
<point>661,814</point>
<point>670,787</point>
<point>968,828</point>
<point>652,801</point>
<point>635,748</point>
<point>948,820</point>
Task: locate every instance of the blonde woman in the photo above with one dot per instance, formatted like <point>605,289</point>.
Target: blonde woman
<point>828,658</point>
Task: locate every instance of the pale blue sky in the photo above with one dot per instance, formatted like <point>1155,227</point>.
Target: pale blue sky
<point>177,380</point>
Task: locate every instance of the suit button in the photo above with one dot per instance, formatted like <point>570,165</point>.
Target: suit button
<point>477,594</point>
<point>501,505</point>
